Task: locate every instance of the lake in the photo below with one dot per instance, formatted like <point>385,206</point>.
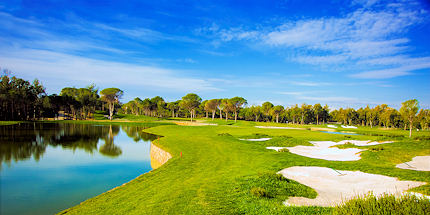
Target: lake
<point>49,167</point>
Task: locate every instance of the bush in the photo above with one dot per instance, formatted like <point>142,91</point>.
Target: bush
<point>376,148</point>
<point>284,150</point>
<point>387,204</point>
<point>225,134</point>
<point>259,192</point>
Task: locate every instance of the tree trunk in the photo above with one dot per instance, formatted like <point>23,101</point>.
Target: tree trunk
<point>317,120</point>
<point>207,114</point>
<point>410,128</point>
<point>213,115</point>
<point>277,118</point>
<point>220,113</point>
<point>256,118</point>
<point>235,116</point>
<point>191,115</point>
<point>226,116</point>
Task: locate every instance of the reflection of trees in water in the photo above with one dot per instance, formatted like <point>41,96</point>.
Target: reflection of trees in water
<point>137,133</point>
<point>109,148</point>
<point>26,140</point>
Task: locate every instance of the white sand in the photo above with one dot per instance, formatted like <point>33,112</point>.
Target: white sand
<point>185,123</point>
<point>419,163</point>
<point>331,126</point>
<point>275,127</point>
<point>260,139</point>
<point>326,153</point>
<point>363,142</point>
<point>347,126</point>
<point>333,188</point>
<point>276,148</point>
<point>324,150</point>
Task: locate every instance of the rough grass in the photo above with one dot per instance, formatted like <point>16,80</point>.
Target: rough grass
<point>217,172</point>
<point>385,205</point>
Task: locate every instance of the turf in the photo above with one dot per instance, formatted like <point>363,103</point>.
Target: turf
<point>220,174</point>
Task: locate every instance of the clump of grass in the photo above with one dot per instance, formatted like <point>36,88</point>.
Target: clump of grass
<point>224,134</point>
<point>283,150</point>
<point>255,136</point>
<point>422,138</point>
<point>259,192</point>
<point>387,204</point>
<point>345,146</point>
<point>376,148</point>
<point>275,186</point>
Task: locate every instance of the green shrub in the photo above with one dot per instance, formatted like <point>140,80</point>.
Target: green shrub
<point>259,192</point>
<point>284,150</point>
<point>225,134</point>
<point>376,148</point>
<point>387,204</point>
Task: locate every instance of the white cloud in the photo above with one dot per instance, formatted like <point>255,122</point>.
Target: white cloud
<point>392,72</point>
<point>374,31</point>
<point>64,68</point>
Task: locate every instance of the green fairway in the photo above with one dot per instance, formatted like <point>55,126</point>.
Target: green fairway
<point>220,174</point>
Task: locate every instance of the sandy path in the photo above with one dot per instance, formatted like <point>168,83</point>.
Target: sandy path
<point>185,123</point>
<point>275,127</point>
<point>334,188</point>
<point>419,163</point>
<point>257,140</point>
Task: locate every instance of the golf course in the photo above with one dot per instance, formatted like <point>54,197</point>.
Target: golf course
<point>212,171</point>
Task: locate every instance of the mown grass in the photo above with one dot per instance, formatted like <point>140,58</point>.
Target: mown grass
<point>220,174</point>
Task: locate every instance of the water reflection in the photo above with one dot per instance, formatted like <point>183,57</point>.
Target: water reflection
<point>25,140</point>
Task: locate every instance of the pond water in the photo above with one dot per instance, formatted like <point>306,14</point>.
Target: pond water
<point>49,167</point>
<point>335,132</point>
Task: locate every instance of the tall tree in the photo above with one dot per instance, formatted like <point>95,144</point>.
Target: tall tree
<point>409,111</point>
<point>318,110</point>
<point>236,103</point>
<point>276,111</point>
<point>266,107</point>
<point>111,96</point>
<point>255,110</point>
<point>190,102</point>
<point>212,106</point>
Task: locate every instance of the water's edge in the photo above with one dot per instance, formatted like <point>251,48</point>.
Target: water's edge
<point>158,158</point>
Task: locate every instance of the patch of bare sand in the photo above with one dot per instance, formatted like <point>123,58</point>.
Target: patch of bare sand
<point>325,150</point>
<point>335,186</point>
<point>185,123</point>
<point>419,163</point>
<point>276,127</point>
<point>363,142</point>
<point>257,140</point>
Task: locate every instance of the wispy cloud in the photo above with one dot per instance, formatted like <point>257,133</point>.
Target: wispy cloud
<point>375,30</point>
<point>64,68</point>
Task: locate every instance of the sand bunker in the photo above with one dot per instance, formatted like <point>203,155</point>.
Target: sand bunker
<point>275,127</point>
<point>322,129</point>
<point>335,186</point>
<point>324,150</point>
<point>276,148</point>
<point>419,163</point>
<point>363,142</point>
<point>347,126</point>
<point>259,139</point>
<point>192,123</point>
<point>331,126</point>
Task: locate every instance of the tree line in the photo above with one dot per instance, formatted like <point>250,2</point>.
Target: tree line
<point>22,100</point>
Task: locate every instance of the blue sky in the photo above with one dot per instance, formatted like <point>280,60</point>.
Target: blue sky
<point>341,53</point>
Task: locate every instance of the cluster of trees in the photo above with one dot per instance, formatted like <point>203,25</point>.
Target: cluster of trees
<point>192,106</point>
<point>22,100</point>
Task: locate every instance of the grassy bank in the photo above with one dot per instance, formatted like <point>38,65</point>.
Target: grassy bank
<point>220,174</point>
